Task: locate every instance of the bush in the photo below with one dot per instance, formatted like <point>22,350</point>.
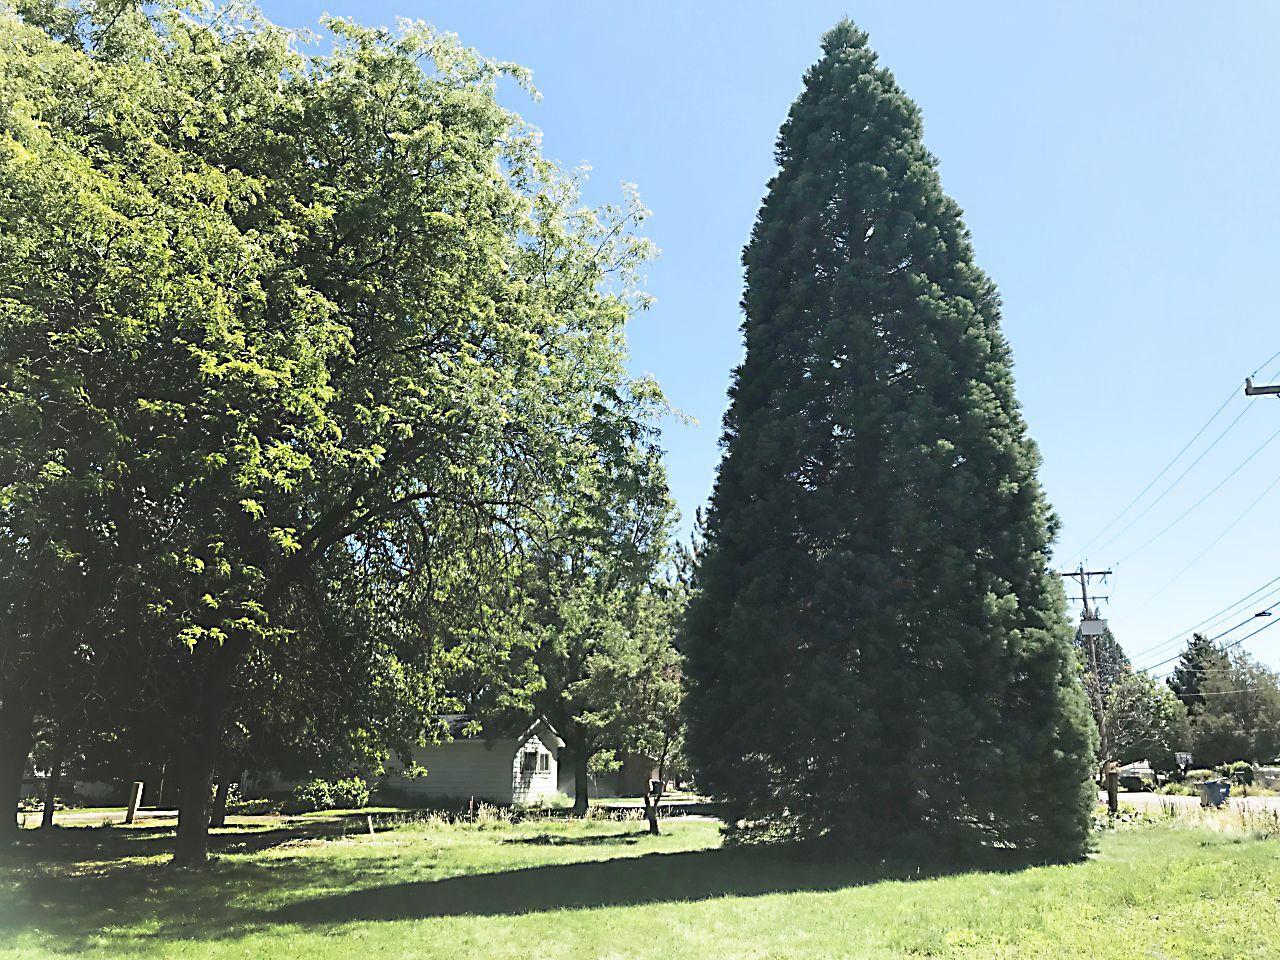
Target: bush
<point>1240,772</point>
<point>351,793</point>
<point>1178,790</point>
<point>1199,776</point>
<point>257,807</point>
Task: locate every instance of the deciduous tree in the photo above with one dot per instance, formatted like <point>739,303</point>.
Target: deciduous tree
<point>277,310</point>
<point>1145,721</point>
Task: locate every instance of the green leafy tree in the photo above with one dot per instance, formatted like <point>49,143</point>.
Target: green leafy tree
<point>595,620</point>
<point>278,313</point>
<point>1145,721</point>
<point>1237,716</point>
<point>878,653</point>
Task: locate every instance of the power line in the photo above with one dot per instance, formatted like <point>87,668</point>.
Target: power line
<point>1165,469</point>
<point>1223,693</point>
<point>1213,619</point>
<point>1165,492</point>
<point>1224,647</point>
<point>1216,636</point>
<point>1210,618</point>
<point>1217,540</point>
<point>1266,362</point>
<point>1180,517</point>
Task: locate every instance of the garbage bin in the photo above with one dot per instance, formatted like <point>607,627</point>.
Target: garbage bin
<point>1214,793</point>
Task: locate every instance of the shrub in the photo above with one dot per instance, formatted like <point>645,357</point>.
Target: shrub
<point>1178,790</point>
<point>1240,772</point>
<point>1199,776</point>
<point>310,796</point>
<point>256,807</point>
<point>351,793</point>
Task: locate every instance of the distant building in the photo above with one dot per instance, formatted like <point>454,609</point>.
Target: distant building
<point>521,767</point>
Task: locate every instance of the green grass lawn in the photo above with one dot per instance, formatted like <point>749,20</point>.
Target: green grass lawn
<point>300,888</point>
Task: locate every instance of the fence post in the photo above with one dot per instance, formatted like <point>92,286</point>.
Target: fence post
<point>135,801</point>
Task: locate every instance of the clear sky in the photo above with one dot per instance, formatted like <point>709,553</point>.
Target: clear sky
<point>1117,167</point>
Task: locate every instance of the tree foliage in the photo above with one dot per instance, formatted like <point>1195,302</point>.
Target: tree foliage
<point>295,349</point>
<point>1145,720</point>
<point>1199,661</point>
<point>599,613</point>
<point>1237,716</point>
<point>878,652</point>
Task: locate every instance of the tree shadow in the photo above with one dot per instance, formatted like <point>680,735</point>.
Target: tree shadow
<point>79,882</point>
<point>563,840</point>
<point>626,881</point>
<point>81,885</point>
<point>113,845</point>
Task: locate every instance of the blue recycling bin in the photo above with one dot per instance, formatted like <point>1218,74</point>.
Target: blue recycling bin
<point>1214,793</point>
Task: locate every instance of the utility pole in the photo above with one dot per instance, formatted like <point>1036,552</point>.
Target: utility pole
<point>1091,627</point>
<point>1267,390</point>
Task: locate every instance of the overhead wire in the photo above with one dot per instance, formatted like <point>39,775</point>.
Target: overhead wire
<point>1216,540</point>
<point>1191,466</point>
<point>1218,486</point>
<point>1224,647</point>
<point>1235,392</point>
<point>1213,619</point>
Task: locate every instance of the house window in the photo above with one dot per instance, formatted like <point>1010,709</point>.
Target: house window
<point>544,762</point>
<point>529,761</point>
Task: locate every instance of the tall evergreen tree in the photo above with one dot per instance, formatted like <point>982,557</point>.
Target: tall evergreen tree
<point>1199,662</point>
<point>1105,665</point>
<point>878,654</point>
<point>1113,664</point>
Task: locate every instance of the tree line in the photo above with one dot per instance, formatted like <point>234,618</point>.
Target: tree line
<point>316,419</point>
<point>317,424</point>
<point>1218,705</point>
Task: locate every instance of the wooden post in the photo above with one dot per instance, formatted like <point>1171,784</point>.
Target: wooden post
<point>1113,787</point>
<point>369,817</point>
<point>135,801</point>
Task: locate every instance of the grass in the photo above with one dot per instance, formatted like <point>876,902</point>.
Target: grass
<point>320,888</point>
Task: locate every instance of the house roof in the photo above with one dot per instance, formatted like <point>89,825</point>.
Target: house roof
<point>520,730</point>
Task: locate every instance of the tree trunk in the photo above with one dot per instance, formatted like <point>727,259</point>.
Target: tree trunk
<point>15,747</point>
<point>651,801</point>
<point>581,783</point>
<point>52,786</point>
<point>195,781</point>
<point>1111,775</point>
<point>219,816</point>
<point>198,755</point>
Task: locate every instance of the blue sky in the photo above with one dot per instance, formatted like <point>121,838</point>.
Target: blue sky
<point>1116,164</point>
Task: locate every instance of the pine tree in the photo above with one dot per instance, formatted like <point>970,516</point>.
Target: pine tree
<point>1199,663</point>
<point>878,654</point>
<point>1113,663</point>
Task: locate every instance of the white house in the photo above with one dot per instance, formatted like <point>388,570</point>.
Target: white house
<point>520,768</point>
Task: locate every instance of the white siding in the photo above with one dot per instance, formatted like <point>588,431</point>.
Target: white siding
<point>461,769</point>
<point>489,770</point>
<point>532,786</point>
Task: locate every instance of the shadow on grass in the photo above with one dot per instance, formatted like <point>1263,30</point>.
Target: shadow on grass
<point>96,887</point>
<point>564,840</point>
<point>87,887</point>
<point>626,881</point>
<point>108,843</point>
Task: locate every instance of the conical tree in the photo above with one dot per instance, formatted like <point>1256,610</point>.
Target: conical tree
<point>877,652</point>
